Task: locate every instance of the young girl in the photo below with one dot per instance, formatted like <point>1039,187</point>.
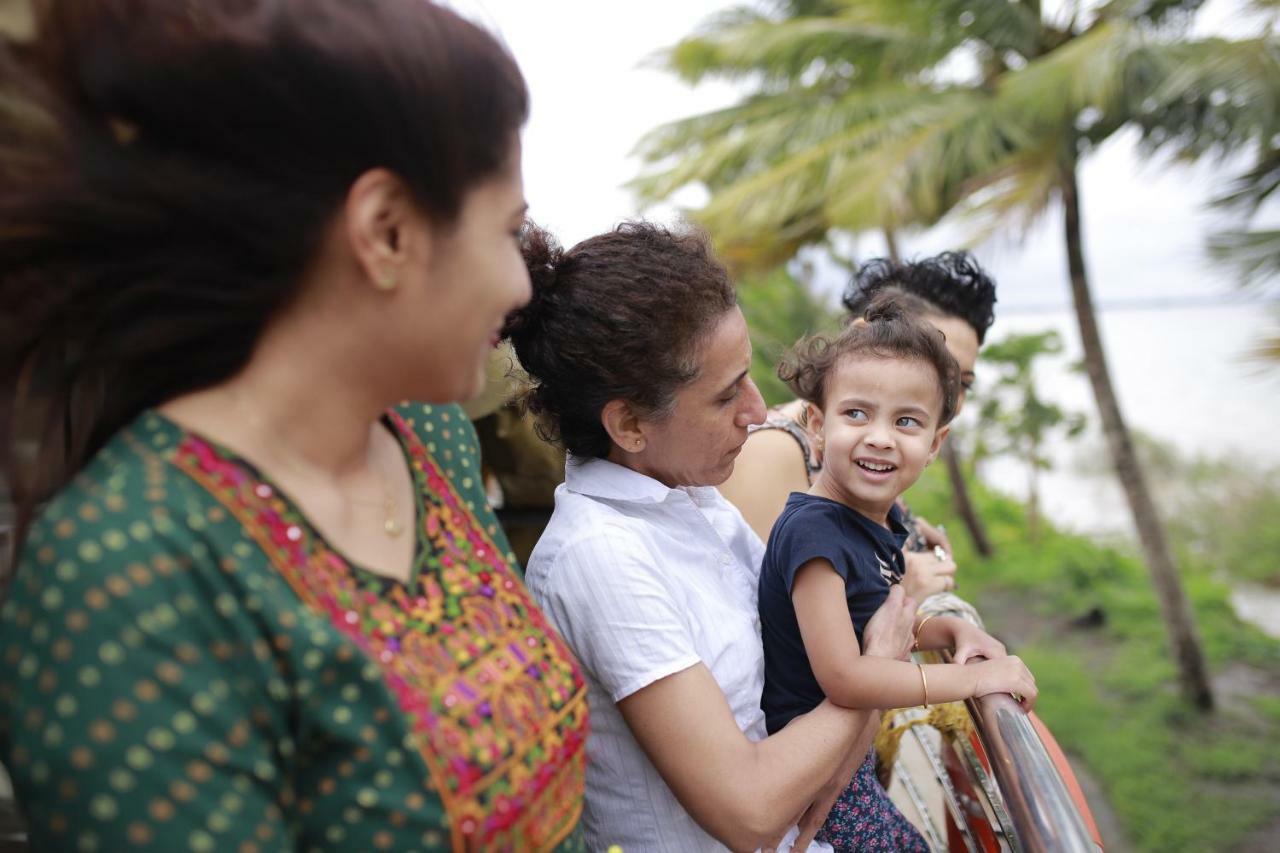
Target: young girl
<point>881,395</point>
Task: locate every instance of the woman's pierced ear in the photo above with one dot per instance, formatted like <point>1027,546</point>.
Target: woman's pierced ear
<point>386,277</point>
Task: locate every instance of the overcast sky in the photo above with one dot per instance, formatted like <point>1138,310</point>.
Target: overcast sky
<point>1178,371</point>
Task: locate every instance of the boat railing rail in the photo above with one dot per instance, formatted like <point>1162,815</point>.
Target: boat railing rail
<point>1045,816</point>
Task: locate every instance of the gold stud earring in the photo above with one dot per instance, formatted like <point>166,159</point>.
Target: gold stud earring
<point>385,280</point>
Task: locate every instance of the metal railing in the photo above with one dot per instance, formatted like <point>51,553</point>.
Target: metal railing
<point>1045,816</point>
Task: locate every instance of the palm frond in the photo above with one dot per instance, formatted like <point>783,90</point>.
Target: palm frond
<point>1209,96</point>
<point>1151,12</point>
<point>838,136</point>
<point>1087,73</point>
<point>1254,255</point>
<point>781,52</point>
<point>755,143</point>
<point>1015,194</point>
<point>1249,190</point>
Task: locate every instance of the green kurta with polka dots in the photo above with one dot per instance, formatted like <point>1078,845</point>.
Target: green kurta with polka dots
<point>186,664</point>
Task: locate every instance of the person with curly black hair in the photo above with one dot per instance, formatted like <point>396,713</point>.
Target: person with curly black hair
<point>953,293</point>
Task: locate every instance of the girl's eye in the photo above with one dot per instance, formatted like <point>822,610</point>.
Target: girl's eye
<point>907,421</point>
<point>966,384</point>
<point>855,415</point>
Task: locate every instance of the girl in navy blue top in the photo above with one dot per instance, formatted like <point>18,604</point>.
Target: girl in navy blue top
<point>881,394</point>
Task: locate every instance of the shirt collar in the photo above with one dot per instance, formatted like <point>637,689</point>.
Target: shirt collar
<point>600,478</point>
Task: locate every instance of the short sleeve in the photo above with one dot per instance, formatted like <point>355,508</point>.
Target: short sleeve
<point>138,707</point>
<point>616,613</point>
<point>809,532</point>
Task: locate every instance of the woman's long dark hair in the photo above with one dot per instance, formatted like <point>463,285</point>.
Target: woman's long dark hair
<point>167,170</point>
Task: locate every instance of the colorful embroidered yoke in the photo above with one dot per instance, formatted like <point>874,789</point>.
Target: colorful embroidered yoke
<point>187,664</point>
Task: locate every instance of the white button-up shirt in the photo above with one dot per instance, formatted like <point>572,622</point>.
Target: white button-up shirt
<point>645,581</point>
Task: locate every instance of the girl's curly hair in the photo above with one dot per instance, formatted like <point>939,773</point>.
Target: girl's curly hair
<point>889,330</point>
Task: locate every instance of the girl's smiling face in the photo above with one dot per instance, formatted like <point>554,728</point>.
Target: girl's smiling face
<point>880,425</point>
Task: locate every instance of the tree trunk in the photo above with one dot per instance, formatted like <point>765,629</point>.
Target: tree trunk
<point>891,245</point>
<point>962,502</point>
<point>1155,546</point>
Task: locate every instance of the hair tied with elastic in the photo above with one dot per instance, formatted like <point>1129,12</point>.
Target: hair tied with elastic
<point>542,258</point>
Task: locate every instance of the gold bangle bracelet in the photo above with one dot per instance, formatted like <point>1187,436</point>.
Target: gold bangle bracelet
<point>924,684</point>
<point>915,645</point>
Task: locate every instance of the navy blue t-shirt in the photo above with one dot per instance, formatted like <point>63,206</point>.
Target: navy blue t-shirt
<point>866,555</point>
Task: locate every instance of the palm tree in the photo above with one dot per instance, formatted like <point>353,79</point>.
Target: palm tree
<point>1253,253</point>
<point>887,114</point>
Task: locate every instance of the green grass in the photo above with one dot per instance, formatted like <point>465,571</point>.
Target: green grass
<point>1178,780</point>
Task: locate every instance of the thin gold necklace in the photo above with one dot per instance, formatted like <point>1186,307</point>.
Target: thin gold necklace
<point>390,523</point>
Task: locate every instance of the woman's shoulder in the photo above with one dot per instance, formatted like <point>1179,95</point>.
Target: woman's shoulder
<point>583,530</point>
<point>448,440</point>
<point>132,532</point>
<point>127,497</point>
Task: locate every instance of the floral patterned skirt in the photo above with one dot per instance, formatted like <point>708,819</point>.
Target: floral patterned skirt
<point>864,818</point>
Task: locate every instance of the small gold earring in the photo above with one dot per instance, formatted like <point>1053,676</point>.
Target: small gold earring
<point>385,280</point>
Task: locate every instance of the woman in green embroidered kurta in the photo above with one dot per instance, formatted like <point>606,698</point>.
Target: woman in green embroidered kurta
<point>266,608</point>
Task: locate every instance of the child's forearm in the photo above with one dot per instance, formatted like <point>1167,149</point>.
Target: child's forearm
<point>869,683</point>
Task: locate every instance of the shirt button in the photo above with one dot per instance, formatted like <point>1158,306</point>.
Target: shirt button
<point>725,559</point>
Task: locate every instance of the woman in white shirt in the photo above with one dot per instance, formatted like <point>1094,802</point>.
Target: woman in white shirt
<point>639,358</point>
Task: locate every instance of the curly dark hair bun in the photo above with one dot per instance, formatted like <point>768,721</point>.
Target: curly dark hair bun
<point>543,254</point>
<point>620,316</point>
